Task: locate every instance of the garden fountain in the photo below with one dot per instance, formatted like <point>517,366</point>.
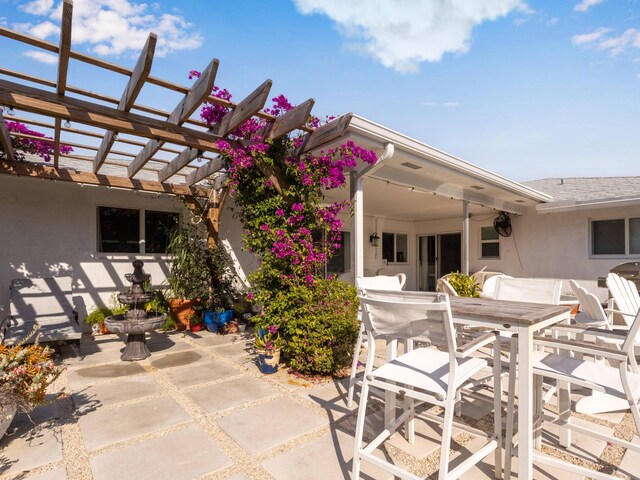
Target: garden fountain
<point>137,321</point>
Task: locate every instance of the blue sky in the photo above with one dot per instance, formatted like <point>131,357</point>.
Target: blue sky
<point>526,88</point>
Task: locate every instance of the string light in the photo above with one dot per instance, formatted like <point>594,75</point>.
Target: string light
<point>11,111</point>
<point>116,137</point>
<point>67,123</point>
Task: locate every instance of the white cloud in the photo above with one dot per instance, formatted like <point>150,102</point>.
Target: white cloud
<point>638,76</point>
<point>441,104</point>
<point>44,57</point>
<point>636,60</point>
<point>585,5</point>
<point>114,27</point>
<point>553,21</point>
<point>614,45</point>
<point>589,37</point>
<point>617,45</point>
<point>401,34</point>
<point>37,7</point>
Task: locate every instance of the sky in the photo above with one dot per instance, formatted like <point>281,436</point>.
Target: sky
<point>528,89</point>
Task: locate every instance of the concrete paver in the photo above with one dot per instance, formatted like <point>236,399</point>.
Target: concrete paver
<point>26,446</point>
<point>328,457</point>
<point>81,377</point>
<point>103,427</point>
<point>171,360</point>
<point>191,451</point>
<point>232,393</point>
<point>109,393</point>
<point>194,375</point>
<point>263,427</point>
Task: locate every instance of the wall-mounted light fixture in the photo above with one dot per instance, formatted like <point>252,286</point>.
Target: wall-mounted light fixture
<point>374,239</point>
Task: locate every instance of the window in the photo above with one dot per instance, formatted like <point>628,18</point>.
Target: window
<point>340,261</point>
<point>615,237</point>
<point>489,243</point>
<point>394,247</point>
<point>126,230</point>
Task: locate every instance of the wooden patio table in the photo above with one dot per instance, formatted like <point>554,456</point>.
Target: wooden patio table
<point>523,319</point>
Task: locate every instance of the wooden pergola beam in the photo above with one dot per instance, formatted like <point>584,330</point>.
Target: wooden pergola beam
<point>131,91</point>
<point>233,119</point>
<point>294,119</point>
<point>192,100</point>
<point>64,51</point>
<point>5,139</point>
<point>327,133</point>
<point>47,103</point>
<point>25,169</point>
<point>87,133</point>
<point>204,171</point>
<point>51,47</point>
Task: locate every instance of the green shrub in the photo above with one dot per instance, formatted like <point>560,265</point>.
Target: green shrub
<point>97,315</point>
<point>318,324</point>
<point>464,285</point>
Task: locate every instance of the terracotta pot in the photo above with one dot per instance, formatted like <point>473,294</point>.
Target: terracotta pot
<point>104,330</point>
<point>181,310</point>
<point>196,327</point>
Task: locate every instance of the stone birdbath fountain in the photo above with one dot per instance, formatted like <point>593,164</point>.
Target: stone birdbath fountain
<point>137,321</point>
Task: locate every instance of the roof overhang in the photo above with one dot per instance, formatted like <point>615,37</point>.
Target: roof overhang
<point>416,167</point>
<point>572,205</point>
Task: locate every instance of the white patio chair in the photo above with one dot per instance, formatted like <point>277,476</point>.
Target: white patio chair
<point>444,286</point>
<point>621,382</point>
<point>424,374</point>
<point>532,290</point>
<point>379,282</point>
<point>624,293</point>
<point>591,312</point>
<point>489,285</point>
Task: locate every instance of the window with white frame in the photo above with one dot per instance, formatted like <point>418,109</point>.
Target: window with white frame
<point>395,247</point>
<point>620,236</point>
<point>489,243</point>
<point>128,230</point>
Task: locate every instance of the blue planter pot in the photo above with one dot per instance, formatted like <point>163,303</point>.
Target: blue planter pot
<point>215,320</point>
<point>268,361</point>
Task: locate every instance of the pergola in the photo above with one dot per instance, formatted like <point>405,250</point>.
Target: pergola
<point>155,133</point>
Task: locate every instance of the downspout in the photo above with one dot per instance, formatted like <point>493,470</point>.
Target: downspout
<point>357,199</point>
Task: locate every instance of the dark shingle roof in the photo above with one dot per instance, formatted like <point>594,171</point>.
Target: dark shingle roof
<point>582,189</point>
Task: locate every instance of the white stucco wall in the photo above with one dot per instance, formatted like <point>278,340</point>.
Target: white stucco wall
<point>50,229</point>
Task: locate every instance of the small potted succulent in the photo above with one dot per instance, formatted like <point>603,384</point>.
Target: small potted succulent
<point>268,345</point>
<point>26,371</point>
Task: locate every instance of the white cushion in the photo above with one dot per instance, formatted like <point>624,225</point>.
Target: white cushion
<point>592,375</point>
<point>427,369</point>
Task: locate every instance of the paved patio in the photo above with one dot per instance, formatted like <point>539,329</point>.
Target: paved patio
<point>199,408</point>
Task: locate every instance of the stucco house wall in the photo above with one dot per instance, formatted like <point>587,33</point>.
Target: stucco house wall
<point>50,229</point>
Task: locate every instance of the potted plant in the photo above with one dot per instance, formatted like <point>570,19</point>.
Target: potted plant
<point>96,316</point>
<point>464,285</point>
<point>26,371</point>
<point>199,273</point>
<point>195,322</point>
<point>268,345</point>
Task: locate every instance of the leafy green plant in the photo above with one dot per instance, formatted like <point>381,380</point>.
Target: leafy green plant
<point>97,315</point>
<point>317,324</point>
<point>199,271</point>
<point>464,285</point>
<point>159,303</point>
